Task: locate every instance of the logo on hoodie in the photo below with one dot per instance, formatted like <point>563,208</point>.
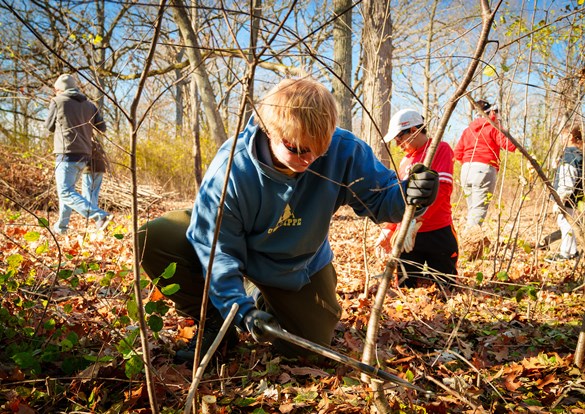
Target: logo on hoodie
<point>287,219</point>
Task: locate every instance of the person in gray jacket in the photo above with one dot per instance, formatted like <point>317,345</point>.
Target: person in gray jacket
<point>72,119</point>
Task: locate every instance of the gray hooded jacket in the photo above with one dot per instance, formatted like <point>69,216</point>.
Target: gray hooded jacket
<point>72,118</point>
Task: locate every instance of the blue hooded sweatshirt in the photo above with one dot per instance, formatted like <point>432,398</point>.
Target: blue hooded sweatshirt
<point>274,229</point>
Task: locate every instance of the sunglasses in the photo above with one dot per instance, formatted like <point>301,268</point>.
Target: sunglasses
<point>295,150</point>
<point>402,133</point>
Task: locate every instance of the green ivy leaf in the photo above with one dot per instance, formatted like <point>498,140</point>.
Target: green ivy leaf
<point>26,360</point>
<point>244,402</point>
<point>81,269</point>
<point>74,281</point>
<point>14,261</point>
<point>524,291</point>
<point>305,396</point>
<point>350,382</point>
<point>158,306</point>
<point>169,271</point>
<point>64,273</point>
<point>95,358</point>
<point>42,248</point>
<point>43,222</point>
<point>170,289</point>
<point>32,236</point>
<point>66,345</point>
<point>133,366</point>
<point>50,324</point>
<point>155,323</point>
<point>51,354</point>
<point>132,307</point>
<point>73,337</point>
<point>107,279</point>
<point>150,307</point>
<point>124,347</point>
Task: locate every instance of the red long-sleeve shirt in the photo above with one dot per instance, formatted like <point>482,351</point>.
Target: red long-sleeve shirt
<point>481,142</point>
<point>438,214</point>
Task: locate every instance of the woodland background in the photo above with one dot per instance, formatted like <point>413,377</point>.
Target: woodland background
<point>174,80</point>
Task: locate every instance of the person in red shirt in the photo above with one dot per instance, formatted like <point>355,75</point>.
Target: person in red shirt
<point>478,150</point>
<point>432,240</point>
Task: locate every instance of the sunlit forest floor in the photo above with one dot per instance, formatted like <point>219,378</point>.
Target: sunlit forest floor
<point>501,339</point>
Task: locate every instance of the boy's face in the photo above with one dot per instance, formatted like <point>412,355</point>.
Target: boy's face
<point>409,140</point>
<point>285,154</point>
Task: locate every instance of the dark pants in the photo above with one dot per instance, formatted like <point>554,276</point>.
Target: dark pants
<point>439,249</point>
<point>312,312</point>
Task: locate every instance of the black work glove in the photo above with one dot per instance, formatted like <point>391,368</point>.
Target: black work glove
<point>255,320</point>
<point>422,186</point>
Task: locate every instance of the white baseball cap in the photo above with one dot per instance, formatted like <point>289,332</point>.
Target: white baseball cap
<point>403,119</point>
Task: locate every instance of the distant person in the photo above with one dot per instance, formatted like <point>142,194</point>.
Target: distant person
<point>478,150</point>
<point>292,170</point>
<point>432,240</point>
<point>72,118</point>
<point>93,174</point>
<point>92,177</point>
<point>568,183</point>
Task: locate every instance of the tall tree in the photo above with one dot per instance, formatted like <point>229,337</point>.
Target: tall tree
<point>206,93</point>
<point>377,72</point>
<point>255,20</point>
<point>342,60</point>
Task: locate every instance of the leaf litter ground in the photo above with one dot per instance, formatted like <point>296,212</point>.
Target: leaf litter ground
<point>501,340</point>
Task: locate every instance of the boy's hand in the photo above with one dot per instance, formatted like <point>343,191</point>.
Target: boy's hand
<point>255,320</point>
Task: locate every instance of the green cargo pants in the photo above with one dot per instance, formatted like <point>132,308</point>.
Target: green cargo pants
<point>312,312</point>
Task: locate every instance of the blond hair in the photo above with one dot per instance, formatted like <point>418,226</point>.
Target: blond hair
<point>299,111</point>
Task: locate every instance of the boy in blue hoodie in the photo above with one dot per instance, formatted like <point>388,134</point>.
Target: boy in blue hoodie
<point>292,170</point>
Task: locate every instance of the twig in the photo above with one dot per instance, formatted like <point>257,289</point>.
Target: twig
<point>207,357</point>
<point>373,324</point>
<point>455,394</point>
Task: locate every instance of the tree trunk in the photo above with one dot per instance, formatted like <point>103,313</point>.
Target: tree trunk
<point>179,104</point>
<point>427,73</point>
<point>216,127</point>
<point>377,80</point>
<point>580,349</point>
<point>197,158</point>
<point>342,58</point>
<point>255,19</point>
<point>100,57</point>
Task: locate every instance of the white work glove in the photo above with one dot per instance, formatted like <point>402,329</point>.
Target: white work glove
<point>387,238</point>
<point>411,235</point>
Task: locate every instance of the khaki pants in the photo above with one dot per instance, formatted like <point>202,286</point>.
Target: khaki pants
<point>312,312</point>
